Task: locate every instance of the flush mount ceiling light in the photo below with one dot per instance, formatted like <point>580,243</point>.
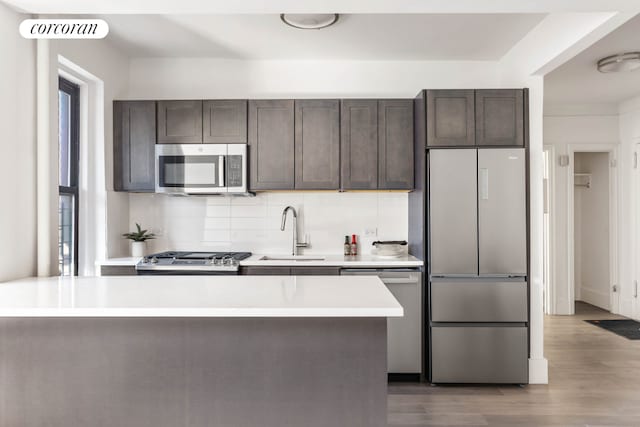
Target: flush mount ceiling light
<point>627,61</point>
<point>309,21</point>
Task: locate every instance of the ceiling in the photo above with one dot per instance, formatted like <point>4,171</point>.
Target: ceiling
<point>579,82</point>
<point>354,37</point>
<point>315,6</point>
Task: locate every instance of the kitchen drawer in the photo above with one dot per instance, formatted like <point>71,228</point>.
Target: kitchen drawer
<point>479,354</point>
<point>478,300</point>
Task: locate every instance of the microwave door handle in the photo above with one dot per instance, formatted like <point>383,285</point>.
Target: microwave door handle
<point>221,171</point>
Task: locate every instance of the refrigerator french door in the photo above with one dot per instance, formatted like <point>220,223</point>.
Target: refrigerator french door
<point>478,265</point>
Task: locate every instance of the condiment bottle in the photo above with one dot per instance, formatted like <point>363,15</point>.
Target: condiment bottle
<point>354,245</point>
<point>347,246</point>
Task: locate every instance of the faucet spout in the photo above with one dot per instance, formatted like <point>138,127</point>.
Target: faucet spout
<point>284,216</point>
<point>295,245</point>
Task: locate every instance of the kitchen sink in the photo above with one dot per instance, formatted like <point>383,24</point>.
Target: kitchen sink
<point>291,258</point>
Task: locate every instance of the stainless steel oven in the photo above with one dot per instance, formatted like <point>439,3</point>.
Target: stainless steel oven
<point>201,168</point>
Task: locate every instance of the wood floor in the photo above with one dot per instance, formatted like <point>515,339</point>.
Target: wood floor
<point>594,380</point>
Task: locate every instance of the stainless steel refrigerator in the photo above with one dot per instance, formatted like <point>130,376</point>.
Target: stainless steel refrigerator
<point>477,237</point>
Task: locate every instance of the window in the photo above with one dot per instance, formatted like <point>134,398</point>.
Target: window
<point>68,143</point>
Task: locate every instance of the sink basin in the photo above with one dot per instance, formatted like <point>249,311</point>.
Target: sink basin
<point>291,258</point>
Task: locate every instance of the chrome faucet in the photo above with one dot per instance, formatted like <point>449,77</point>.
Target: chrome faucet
<point>295,245</point>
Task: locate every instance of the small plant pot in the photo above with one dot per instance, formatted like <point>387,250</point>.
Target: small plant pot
<point>138,249</point>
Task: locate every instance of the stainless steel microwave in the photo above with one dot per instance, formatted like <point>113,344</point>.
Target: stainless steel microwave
<point>201,168</point>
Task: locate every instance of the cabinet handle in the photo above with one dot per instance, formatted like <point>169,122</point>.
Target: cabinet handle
<point>484,184</point>
<point>635,292</point>
<point>635,160</point>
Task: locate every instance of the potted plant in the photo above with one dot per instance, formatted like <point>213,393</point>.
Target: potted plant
<point>138,239</point>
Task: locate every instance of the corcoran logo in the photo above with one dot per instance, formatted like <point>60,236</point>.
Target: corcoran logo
<point>64,29</point>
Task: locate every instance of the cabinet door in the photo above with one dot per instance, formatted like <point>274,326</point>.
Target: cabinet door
<point>224,122</point>
<point>317,144</point>
<point>271,144</point>
<point>450,118</point>
<point>359,141</point>
<point>395,144</point>
<point>500,117</point>
<point>179,122</point>
<point>134,137</point>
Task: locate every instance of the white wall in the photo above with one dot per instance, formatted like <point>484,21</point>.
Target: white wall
<point>18,146</point>
<point>165,78</point>
<point>253,223</point>
<point>565,126</point>
<point>591,213</point>
<point>105,215</point>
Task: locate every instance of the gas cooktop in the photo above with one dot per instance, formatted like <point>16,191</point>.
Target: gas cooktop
<point>181,262</point>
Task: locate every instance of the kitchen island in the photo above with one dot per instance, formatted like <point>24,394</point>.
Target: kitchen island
<point>194,351</point>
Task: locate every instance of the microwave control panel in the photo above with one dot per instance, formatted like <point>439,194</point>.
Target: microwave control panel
<point>234,171</point>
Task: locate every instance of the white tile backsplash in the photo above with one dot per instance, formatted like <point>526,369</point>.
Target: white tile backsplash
<point>253,223</point>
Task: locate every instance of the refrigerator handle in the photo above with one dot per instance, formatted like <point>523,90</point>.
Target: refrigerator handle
<point>484,184</point>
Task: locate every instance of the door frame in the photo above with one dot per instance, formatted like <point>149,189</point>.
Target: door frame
<point>550,196</point>
<point>612,150</point>
<point>635,230</point>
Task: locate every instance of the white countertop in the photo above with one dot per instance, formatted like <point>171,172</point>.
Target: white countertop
<point>198,296</point>
<point>359,261</point>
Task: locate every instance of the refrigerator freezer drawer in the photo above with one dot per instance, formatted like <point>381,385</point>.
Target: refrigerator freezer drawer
<point>478,300</point>
<point>479,354</point>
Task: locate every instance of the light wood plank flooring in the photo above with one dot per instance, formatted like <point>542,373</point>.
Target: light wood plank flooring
<point>594,380</point>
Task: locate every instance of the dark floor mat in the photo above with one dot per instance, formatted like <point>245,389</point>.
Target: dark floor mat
<point>627,328</point>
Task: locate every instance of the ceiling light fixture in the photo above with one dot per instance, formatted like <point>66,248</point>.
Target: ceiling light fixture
<point>628,61</point>
<point>309,21</point>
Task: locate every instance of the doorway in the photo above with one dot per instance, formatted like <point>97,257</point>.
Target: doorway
<point>592,234</point>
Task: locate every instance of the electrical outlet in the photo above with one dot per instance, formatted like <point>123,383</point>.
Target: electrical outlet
<point>370,232</point>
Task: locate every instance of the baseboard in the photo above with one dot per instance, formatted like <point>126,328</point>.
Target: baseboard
<point>538,371</point>
<point>403,378</point>
<point>595,297</point>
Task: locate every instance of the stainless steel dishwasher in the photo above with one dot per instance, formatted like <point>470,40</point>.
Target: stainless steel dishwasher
<point>404,334</point>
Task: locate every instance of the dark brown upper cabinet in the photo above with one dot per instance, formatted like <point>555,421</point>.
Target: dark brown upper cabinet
<point>317,144</point>
<point>500,117</point>
<point>134,138</point>
<point>271,145</point>
<point>395,144</point>
<point>359,144</point>
<point>450,118</point>
<point>180,122</point>
<point>224,122</point>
